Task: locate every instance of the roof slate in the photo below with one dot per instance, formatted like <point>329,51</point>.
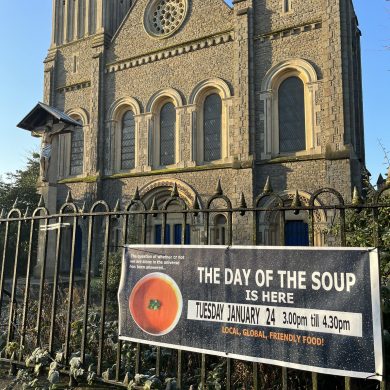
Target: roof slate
<point>40,114</point>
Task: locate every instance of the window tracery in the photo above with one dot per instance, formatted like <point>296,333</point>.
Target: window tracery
<point>164,17</point>
<point>289,110</point>
<point>212,127</point>
<point>167,134</point>
<point>77,152</point>
<point>128,141</point>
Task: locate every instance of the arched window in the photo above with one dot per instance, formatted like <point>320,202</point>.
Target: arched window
<point>290,110</point>
<point>167,134</point>
<point>291,106</point>
<point>212,127</point>
<point>211,103</point>
<point>77,151</point>
<point>128,141</point>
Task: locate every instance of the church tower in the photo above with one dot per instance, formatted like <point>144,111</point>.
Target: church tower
<point>74,77</point>
<point>77,19</point>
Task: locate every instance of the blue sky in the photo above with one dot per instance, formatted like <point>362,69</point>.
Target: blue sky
<point>25,28</point>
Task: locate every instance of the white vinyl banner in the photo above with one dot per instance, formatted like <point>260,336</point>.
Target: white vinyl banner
<point>315,309</point>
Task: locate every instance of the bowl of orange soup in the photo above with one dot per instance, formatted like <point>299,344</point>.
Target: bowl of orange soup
<point>156,304</point>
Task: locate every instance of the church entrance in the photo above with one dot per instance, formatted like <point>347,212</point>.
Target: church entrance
<point>173,233</point>
<point>296,233</point>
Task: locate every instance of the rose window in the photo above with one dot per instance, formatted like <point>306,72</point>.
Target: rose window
<point>164,17</point>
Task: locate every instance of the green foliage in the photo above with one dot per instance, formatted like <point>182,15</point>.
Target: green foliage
<point>33,377</point>
<point>216,376</point>
<point>113,278</point>
<point>11,348</point>
<point>361,228</point>
<point>76,369</point>
<point>21,185</point>
<point>145,382</point>
<point>114,274</point>
<point>40,362</point>
<point>386,321</point>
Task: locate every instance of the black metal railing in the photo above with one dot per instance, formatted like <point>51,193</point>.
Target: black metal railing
<point>59,272</point>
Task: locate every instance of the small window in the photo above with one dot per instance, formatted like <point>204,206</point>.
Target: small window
<point>291,102</point>
<point>178,228</point>
<point>212,126</point>
<point>286,6</point>
<point>167,134</point>
<point>75,63</point>
<point>128,141</point>
<point>77,152</point>
<point>158,234</point>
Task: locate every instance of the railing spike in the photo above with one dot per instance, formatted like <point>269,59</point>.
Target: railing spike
<point>268,186</point>
<point>126,381</point>
<point>175,192</point>
<point>136,194</point>
<point>296,203</point>
<point>2,214</point>
<point>69,198</point>
<point>26,213</point>
<point>117,209</point>
<point>196,206</point>
<point>242,204</point>
<point>82,210</point>
<point>218,190</point>
<point>15,203</point>
<point>41,202</point>
<point>154,207</point>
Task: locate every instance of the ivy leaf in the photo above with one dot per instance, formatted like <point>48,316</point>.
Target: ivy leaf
<point>53,377</point>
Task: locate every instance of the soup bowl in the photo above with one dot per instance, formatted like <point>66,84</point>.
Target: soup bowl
<point>156,304</point>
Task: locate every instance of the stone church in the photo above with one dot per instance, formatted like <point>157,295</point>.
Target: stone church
<point>193,91</point>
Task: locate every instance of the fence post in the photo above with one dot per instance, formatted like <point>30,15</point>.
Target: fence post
<point>14,326</point>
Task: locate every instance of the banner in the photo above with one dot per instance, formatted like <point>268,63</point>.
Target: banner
<point>315,309</point>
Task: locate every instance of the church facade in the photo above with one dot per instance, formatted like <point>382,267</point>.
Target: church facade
<point>188,92</point>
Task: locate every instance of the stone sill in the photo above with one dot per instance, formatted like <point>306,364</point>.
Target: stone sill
<point>340,155</point>
<point>209,167</point>
<point>87,179</point>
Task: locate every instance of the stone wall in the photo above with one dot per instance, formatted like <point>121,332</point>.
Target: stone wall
<point>239,46</point>
<point>308,176</point>
<point>202,183</point>
<point>205,18</point>
<point>270,16</point>
<point>318,32</point>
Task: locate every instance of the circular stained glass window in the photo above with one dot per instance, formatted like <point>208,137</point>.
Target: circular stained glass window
<point>164,17</point>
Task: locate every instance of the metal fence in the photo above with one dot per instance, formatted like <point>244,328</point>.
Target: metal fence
<point>57,286</point>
